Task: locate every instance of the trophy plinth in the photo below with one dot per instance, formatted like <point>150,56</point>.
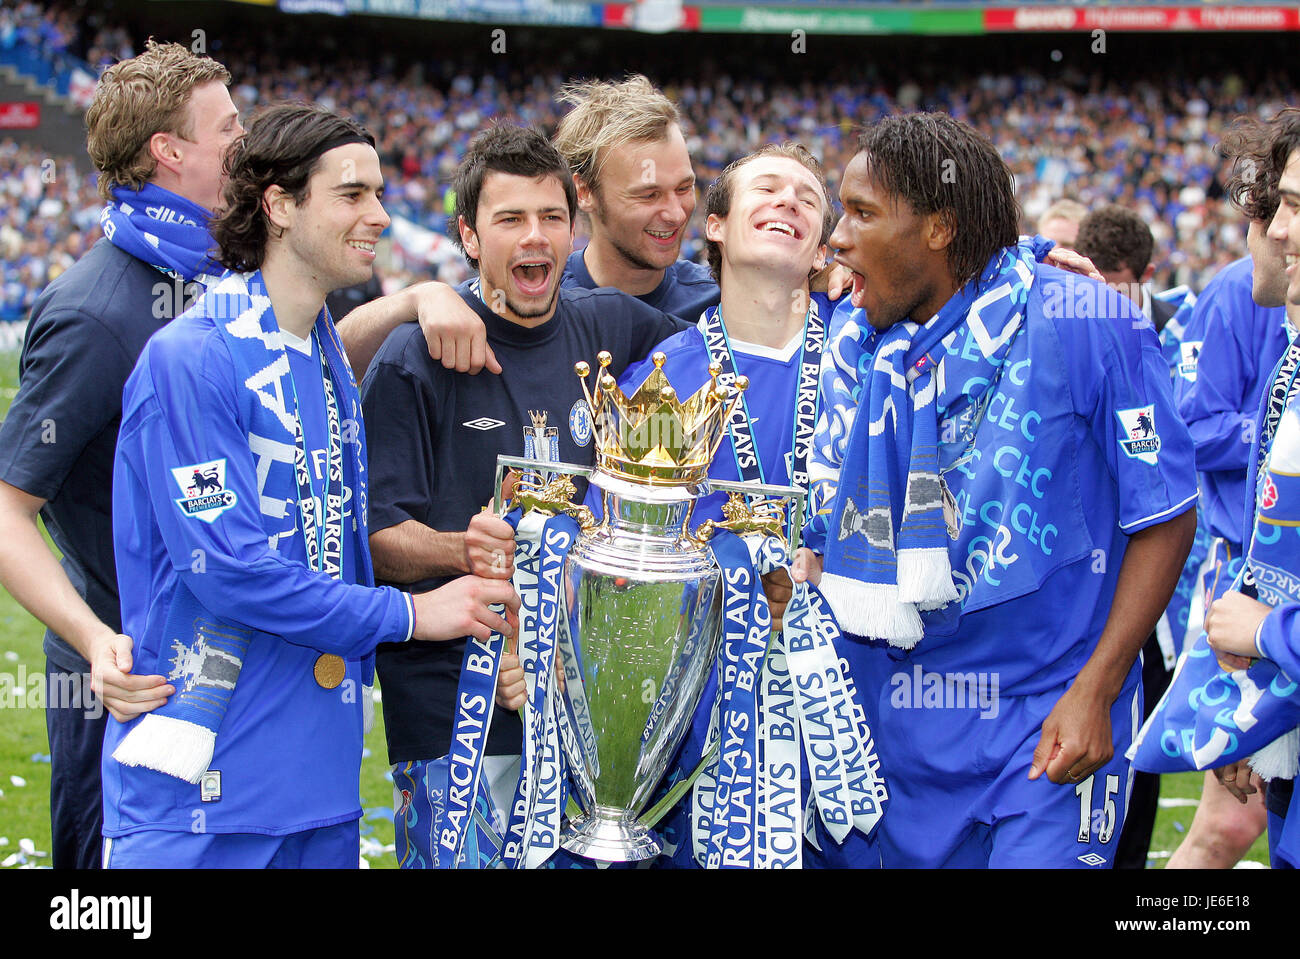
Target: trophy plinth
<point>610,835</point>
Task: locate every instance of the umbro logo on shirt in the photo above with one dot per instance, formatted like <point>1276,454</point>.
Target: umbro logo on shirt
<point>483,423</point>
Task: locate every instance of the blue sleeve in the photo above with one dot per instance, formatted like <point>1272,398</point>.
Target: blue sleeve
<point>180,414</point>
<point>1279,639</point>
<point>1216,398</point>
<point>1120,380</point>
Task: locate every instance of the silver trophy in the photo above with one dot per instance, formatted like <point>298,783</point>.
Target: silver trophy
<point>640,614</point>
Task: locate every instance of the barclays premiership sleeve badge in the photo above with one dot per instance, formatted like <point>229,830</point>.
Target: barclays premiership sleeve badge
<point>203,490</point>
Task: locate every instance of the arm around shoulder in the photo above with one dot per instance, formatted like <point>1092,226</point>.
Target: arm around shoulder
<point>454,333</point>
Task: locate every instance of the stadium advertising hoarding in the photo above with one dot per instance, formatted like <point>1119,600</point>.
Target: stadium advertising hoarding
<point>664,15</point>
<point>19,115</point>
<point>550,13</point>
<point>847,20</point>
<point>1139,18</point>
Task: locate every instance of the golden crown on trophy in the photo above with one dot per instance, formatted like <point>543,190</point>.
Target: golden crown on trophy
<point>652,437</point>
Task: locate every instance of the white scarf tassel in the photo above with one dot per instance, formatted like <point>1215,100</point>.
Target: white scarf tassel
<point>172,746</point>
<point>872,609</point>
<point>1280,759</point>
<point>925,576</point>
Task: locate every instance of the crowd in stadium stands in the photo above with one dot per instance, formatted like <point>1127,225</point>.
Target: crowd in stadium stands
<point>49,216</point>
<point>1146,144</point>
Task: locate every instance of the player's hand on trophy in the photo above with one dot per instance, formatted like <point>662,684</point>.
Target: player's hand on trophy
<point>463,608</point>
<point>777,588</point>
<point>125,696</point>
<point>512,690</point>
<point>807,566</point>
<point>1236,778</point>
<point>490,547</point>
<point>453,332</point>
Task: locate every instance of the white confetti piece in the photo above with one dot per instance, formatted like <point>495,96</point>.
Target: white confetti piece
<point>11,656</point>
<point>18,781</point>
<point>27,846</point>
<point>11,860</point>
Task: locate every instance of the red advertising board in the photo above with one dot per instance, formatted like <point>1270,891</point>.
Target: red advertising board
<point>19,115</point>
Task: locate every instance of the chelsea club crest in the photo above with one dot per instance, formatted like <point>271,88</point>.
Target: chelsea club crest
<point>580,423</point>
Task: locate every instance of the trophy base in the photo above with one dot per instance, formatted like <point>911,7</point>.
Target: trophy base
<point>610,835</point>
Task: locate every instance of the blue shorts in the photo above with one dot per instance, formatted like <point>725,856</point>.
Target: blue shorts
<point>329,847</point>
<point>959,793</point>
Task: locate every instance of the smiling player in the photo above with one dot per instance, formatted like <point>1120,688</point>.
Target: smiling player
<point>435,435</point>
<point>991,505</point>
<point>239,508</point>
<point>768,219</point>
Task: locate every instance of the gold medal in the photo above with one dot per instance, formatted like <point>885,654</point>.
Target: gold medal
<point>329,670</point>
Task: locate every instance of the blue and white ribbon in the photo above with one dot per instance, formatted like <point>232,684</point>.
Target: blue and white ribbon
<point>746,626</point>
<point>534,827</point>
<point>475,701</point>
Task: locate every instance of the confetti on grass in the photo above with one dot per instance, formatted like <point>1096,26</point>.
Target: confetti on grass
<point>18,781</point>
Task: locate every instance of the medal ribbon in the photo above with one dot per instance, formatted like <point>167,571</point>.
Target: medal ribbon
<point>806,400</point>
<point>323,537</point>
<point>1280,393</point>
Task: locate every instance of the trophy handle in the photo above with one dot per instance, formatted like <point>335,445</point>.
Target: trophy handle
<point>550,497</point>
<point>762,516</point>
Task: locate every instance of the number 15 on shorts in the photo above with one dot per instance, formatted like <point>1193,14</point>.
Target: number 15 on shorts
<point>1102,819</point>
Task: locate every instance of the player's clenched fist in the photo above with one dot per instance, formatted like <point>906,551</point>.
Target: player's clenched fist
<point>490,547</point>
<point>461,608</point>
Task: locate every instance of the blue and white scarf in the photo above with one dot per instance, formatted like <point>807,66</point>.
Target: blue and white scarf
<point>163,229</point>
<point>179,738</point>
<point>1208,717</point>
<point>887,550</point>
